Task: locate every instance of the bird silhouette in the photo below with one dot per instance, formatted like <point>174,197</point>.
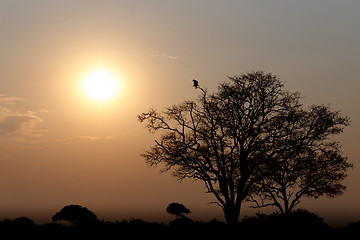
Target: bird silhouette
<point>196,83</point>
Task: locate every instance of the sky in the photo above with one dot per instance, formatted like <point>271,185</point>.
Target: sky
<point>59,146</point>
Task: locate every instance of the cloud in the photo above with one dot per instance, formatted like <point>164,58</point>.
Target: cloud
<point>4,99</point>
<point>16,126</point>
<point>22,128</point>
<point>166,56</point>
<point>12,124</point>
<point>67,141</point>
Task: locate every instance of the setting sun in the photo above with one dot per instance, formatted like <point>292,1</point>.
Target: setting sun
<point>100,85</point>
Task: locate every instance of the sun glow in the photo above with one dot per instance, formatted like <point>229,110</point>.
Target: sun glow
<point>100,85</point>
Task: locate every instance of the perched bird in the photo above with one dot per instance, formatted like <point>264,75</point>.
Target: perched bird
<point>196,83</point>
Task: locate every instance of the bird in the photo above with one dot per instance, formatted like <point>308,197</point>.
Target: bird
<point>196,83</point>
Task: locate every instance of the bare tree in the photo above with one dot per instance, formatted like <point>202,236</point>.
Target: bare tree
<point>231,139</point>
<point>313,167</point>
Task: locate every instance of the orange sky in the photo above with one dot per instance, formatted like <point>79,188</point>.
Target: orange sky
<point>58,147</point>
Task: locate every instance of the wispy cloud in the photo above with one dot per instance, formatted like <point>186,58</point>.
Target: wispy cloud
<point>67,141</point>
<point>4,99</point>
<point>17,126</point>
<point>22,127</point>
<point>163,55</point>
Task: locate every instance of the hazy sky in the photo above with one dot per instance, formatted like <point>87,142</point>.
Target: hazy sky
<point>59,147</point>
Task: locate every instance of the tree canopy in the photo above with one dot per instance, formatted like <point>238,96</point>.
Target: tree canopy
<point>177,209</point>
<point>75,214</point>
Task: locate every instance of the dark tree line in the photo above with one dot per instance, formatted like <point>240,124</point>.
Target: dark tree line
<point>85,225</point>
<point>251,140</point>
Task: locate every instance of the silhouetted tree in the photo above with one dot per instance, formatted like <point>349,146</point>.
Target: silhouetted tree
<point>233,138</point>
<point>24,221</point>
<point>300,221</point>
<point>177,209</point>
<point>313,172</point>
<point>75,214</point>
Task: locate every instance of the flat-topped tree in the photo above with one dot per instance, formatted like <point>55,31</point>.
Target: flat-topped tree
<point>177,209</point>
<point>76,215</point>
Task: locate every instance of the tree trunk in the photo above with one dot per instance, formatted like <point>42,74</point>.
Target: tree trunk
<point>232,213</point>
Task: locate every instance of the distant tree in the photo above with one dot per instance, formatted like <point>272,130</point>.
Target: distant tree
<point>299,219</point>
<point>236,137</point>
<point>75,214</point>
<point>177,209</point>
<point>24,221</point>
